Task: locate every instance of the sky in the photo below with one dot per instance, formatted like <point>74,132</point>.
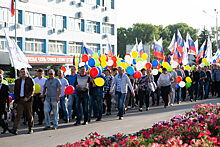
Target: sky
<point>165,12</point>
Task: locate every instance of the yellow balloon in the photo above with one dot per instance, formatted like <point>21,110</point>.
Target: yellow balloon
<point>123,65</point>
<point>127,64</point>
<point>37,88</point>
<point>104,64</point>
<point>144,56</point>
<point>99,82</point>
<point>204,60</point>
<point>188,80</point>
<point>160,70</point>
<point>103,58</point>
<point>134,54</point>
<point>165,65</point>
<point>187,67</point>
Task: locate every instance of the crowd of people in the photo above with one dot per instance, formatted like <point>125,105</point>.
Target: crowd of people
<point>121,91</point>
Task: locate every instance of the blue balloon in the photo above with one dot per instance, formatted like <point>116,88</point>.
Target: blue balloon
<point>177,86</point>
<point>100,71</point>
<point>12,96</point>
<point>214,61</point>
<point>87,67</point>
<point>91,62</point>
<point>134,61</point>
<point>105,67</point>
<point>130,70</point>
<point>123,61</point>
<point>155,63</point>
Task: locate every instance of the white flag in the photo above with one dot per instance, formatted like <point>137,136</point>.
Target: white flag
<point>135,48</point>
<point>197,46</point>
<point>185,54</point>
<point>208,52</point>
<point>17,57</point>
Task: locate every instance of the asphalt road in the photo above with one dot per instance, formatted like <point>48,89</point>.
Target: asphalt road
<point>132,122</point>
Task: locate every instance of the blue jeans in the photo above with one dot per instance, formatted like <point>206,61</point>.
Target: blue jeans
<point>207,89</point>
<point>63,104</point>
<point>71,100</point>
<point>121,100</point>
<point>82,99</point>
<point>51,106</point>
<point>178,94</point>
<point>201,89</point>
<point>92,107</point>
<point>194,87</point>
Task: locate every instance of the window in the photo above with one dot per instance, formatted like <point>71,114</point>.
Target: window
<point>74,47</point>
<point>34,45</point>
<point>113,4</point>
<point>5,16</point>
<point>103,3</point>
<point>34,19</point>
<point>94,47</point>
<point>56,46</point>
<point>74,24</point>
<point>92,27</point>
<point>104,47</point>
<point>91,2</point>
<point>3,44</point>
<point>107,28</point>
<point>55,21</point>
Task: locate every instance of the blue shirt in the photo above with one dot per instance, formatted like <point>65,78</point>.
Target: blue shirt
<point>72,80</point>
<point>118,86</point>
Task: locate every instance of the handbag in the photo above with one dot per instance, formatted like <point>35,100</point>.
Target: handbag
<point>152,86</point>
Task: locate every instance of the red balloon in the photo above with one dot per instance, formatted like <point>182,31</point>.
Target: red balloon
<point>148,65</point>
<point>114,64</point>
<point>137,74</point>
<point>63,68</point>
<point>114,58</point>
<point>158,66</point>
<point>10,99</point>
<point>179,79</point>
<point>128,54</point>
<point>94,72</point>
<point>69,90</point>
<point>85,58</point>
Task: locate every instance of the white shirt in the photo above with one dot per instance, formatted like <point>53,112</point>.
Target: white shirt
<point>41,82</point>
<point>22,87</point>
<point>64,83</point>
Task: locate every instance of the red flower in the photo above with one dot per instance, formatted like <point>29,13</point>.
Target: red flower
<point>96,134</point>
<point>201,134</point>
<point>97,141</point>
<point>214,139</point>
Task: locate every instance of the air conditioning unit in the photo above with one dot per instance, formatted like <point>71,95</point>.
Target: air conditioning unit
<point>80,4</point>
<point>105,8</point>
<point>106,19</point>
<point>79,15</point>
<point>5,25</point>
<point>97,6</point>
<point>105,36</point>
<point>24,1</point>
<point>63,30</point>
<point>54,30</point>
<point>31,27</point>
<point>63,0</point>
<point>18,26</point>
<point>72,2</point>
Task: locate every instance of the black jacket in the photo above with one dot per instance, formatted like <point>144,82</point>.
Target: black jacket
<point>4,95</point>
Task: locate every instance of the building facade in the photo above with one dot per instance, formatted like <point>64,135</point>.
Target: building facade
<point>52,31</point>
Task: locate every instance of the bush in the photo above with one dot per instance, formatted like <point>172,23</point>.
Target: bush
<point>10,80</point>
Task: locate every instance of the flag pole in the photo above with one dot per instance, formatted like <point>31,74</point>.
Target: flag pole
<point>15,32</point>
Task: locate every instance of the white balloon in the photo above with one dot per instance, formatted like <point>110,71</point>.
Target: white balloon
<point>139,65</point>
<point>81,64</point>
<point>182,84</point>
<point>128,59</point>
<point>155,72</point>
<point>202,65</point>
<point>68,72</point>
<point>174,64</point>
<point>110,62</point>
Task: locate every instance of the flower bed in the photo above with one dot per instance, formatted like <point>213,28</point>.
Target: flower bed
<point>199,127</point>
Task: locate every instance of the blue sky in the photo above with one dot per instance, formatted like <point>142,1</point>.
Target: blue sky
<point>165,12</point>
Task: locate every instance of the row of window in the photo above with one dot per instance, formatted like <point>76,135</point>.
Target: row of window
<point>57,47</point>
<point>103,3</point>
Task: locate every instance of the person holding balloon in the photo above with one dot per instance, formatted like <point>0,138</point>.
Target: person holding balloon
<point>4,99</point>
<point>120,83</point>
<point>38,105</point>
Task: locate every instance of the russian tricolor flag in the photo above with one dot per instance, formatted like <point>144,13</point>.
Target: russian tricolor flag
<point>191,45</point>
<point>158,48</point>
<point>201,52</point>
<point>140,48</point>
<point>12,8</point>
<point>180,43</point>
<point>86,49</point>
<point>172,46</point>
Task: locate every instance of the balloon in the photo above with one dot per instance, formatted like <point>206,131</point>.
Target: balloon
<point>139,65</point>
<point>99,82</point>
<point>103,58</point>
<point>110,62</point>
<point>130,70</point>
<point>68,72</point>
<point>177,86</point>
<point>97,63</point>
<point>170,68</point>
<point>144,56</point>
<point>192,68</point>
<point>114,64</point>
<point>69,90</point>
<point>155,72</point>
<point>187,67</point>
<point>179,79</point>
<point>81,64</point>
<point>10,99</point>
<point>87,67</point>
<point>207,64</point>
<point>100,71</point>
<point>5,82</point>
<point>182,84</point>
<point>37,88</point>
<point>202,65</point>
<point>128,59</point>
<point>139,59</point>
<point>12,95</point>
<point>94,72</point>
<point>95,56</point>
<point>165,65</point>
<point>148,65</point>
<point>123,65</point>
<point>134,54</point>
<point>91,62</point>
<point>160,70</point>
<point>204,60</point>
<point>114,58</point>
<point>127,54</point>
<point>103,64</point>
<point>188,80</point>
<point>63,68</point>
<point>174,64</point>
<point>214,61</point>
<point>85,58</point>
<point>134,61</point>
<point>137,74</point>
<point>188,85</point>
<point>155,63</point>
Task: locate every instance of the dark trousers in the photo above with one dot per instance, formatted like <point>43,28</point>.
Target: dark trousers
<point>158,91</point>
<point>143,96</point>
<point>184,93</point>
<point>194,87</point>
<point>165,90</point>
<point>82,98</point>
<point>214,89</point>
<point>201,89</point>
<point>3,117</point>
<point>218,88</point>
<point>107,103</point>
<point>38,107</point>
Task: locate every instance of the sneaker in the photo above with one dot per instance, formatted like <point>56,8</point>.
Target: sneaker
<point>171,104</point>
<point>54,128</point>
<point>120,118</point>
<point>99,119</point>
<point>47,128</point>
<point>30,131</point>
<point>147,108</point>
<point>85,123</point>
<point>13,132</point>
<point>77,123</point>
<point>140,109</point>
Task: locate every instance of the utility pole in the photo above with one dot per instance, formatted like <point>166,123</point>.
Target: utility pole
<point>216,28</point>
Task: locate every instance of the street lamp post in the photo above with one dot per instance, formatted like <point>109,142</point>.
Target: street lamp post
<point>216,28</point>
